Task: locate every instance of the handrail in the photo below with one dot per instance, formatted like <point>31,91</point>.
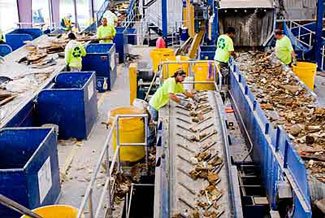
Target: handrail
<point>216,71</point>
<point>104,157</point>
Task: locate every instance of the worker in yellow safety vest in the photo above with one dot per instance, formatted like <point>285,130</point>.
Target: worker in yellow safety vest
<point>225,49</point>
<point>74,51</point>
<point>168,91</point>
<point>66,23</point>
<point>2,39</point>
<point>106,32</point>
<point>283,48</point>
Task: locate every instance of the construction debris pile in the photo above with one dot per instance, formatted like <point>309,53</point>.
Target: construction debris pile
<point>286,102</point>
<point>199,161</point>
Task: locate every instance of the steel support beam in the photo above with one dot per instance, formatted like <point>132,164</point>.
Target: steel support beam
<point>75,13</point>
<point>25,12</point>
<point>215,24</point>
<point>319,31</point>
<point>92,10</point>
<point>55,13</point>
<point>164,4</point>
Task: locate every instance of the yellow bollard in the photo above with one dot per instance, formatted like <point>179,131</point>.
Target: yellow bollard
<point>133,71</point>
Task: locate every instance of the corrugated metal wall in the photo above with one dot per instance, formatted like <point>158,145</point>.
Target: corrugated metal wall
<point>253,27</point>
<point>298,9</point>
<point>175,10</point>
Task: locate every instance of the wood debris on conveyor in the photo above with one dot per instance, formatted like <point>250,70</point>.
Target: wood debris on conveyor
<point>287,102</point>
<point>198,177</point>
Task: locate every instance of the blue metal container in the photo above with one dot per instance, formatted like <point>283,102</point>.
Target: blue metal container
<point>121,42</point>
<point>101,59</point>
<point>29,169</point>
<point>71,103</point>
<point>207,52</point>
<point>102,84</point>
<point>17,37</point>
<point>132,36</point>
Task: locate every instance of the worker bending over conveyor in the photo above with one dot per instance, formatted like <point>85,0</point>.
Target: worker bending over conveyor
<point>283,48</point>
<point>168,91</point>
<point>225,49</point>
<point>106,32</point>
<point>73,53</point>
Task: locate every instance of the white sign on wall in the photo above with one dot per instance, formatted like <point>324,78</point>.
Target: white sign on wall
<point>44,179</point>
<point>90,91</point>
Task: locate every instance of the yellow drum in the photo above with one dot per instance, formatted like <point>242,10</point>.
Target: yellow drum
<point>172,68</point>
<point>306,72</point>
<point>131,131</point>
<point>201,73</point>
<point>55,211</point>
<point>160,54</point>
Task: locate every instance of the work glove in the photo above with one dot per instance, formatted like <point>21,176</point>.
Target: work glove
<point>185,104</point>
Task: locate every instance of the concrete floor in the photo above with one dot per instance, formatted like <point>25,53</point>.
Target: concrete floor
<point>78,159</point>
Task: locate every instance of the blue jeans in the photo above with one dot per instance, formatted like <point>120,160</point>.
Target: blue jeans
<point>152,129</point>
<point>153,113</point>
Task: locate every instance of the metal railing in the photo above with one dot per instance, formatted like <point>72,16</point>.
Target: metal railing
<point>131,12</point>
<point>213,73</point>
<point>100,13</point>
<point>113,167</point>
<point>143,31</point>
<point>310,34</point>
<point>303,33</point>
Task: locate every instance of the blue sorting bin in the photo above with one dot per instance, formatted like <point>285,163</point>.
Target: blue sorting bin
<point>29,168</point>
<point>121,42</point>
<point>71,103</point>
<point>101,59</point>
<point>17,37</point>
<point>132,36</point>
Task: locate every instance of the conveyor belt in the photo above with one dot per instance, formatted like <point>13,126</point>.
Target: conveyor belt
<point>197,175</point>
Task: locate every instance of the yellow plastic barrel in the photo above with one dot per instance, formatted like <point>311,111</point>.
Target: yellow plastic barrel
<point>131,130</point>
<point>172,68</point>
<point>160,54</point>
<point>306,72</point>
<point>55,211</point>
<point>201,73</point>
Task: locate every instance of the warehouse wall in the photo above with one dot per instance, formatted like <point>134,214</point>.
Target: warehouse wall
<point>253,27</point>
<point>297,9</point>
